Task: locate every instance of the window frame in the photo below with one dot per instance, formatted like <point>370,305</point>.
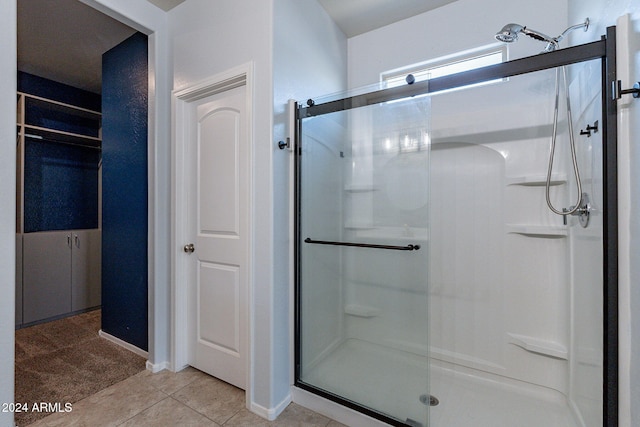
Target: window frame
<point>424,70</point>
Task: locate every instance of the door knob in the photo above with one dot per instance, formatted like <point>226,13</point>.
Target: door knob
<point>189,248</point>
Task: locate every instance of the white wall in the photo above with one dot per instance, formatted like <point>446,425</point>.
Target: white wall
<point>313,62</point>
<point>211,37</point>
<point>8,205</point>
<point>295,49</point>
<point>603,14</point>
<point>461,25</point>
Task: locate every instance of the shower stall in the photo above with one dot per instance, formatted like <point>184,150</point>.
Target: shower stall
<point>434,286</point>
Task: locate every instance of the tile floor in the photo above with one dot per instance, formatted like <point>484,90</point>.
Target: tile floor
<point>186,398</point>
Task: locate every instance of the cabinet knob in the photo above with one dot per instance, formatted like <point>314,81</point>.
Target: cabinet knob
<point>189,248</point>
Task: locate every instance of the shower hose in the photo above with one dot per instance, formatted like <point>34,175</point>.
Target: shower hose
<point>571,144</point>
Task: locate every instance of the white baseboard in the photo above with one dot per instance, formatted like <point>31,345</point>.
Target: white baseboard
<point>270,414</point>
<point>123,344</point>
<point>157,367</point>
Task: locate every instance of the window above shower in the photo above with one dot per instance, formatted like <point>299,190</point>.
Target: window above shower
<point>447,65</point>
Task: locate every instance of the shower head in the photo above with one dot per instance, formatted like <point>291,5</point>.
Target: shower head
<point>509,33</point>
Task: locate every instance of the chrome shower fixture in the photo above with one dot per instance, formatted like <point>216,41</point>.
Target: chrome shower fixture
<point>509,34</point>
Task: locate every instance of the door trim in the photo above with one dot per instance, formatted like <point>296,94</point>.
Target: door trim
<point>180,100</point>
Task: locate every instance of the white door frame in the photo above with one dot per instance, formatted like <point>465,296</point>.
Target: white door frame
<point>180,99</point>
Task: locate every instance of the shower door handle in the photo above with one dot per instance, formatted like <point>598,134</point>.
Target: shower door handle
<point>363,245</point>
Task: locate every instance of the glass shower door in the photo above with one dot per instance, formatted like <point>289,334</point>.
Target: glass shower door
<point>363,255</point>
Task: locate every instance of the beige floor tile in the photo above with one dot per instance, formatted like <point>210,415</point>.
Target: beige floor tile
<point>213,398</point>
<point>187,398</point>
<point>169,412</point>
<point>111,406</point>
<point>245,418</point>
<point>293,416</point>
<point>296,415</point>
<point>170,382</point>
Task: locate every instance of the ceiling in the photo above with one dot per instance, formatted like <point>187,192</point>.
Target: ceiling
<point>166,4</point>
<point>356,17</point>
<point>359,16</point>
<point>63,40</point>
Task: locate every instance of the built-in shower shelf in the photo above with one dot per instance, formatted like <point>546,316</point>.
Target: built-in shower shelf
<point>537,180</point>
<point>538,346</point>
<point>355,225</point>
<point>381,234</point>
<point>543,231</point>
<point>360,188</point>
<point>361,310</point>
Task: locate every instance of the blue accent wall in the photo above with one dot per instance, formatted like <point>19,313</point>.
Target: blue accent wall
<point>61,186</point>
<point>124,191</point>
<point>45,88</point>
<point>60,180</point>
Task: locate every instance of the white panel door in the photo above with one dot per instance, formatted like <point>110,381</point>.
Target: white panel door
<point>219,161</point>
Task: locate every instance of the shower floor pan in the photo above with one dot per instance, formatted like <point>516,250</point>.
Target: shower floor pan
<point>393,384</point>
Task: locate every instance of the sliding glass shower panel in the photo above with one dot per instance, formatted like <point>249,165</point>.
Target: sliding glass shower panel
<point>363,251</point>
<point>516,290</point>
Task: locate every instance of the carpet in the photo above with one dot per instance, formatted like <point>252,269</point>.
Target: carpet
<point>65,361</point>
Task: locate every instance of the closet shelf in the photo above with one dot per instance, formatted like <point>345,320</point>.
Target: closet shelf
<point>542,231</point>
<point>58,136</point>
<point>537,180</point>
<point>53,121</point>
<point>538,346</point>
<point>53,106</point>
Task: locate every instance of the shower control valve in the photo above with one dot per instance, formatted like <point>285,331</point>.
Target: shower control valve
<point>583,212</point>
<point>590,129</point>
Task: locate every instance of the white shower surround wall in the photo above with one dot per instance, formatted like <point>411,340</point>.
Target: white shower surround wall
<point>501,301</point>
<point>515,310</point>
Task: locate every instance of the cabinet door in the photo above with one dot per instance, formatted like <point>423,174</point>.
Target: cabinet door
<point>46,275</point>
<point>86,269</point>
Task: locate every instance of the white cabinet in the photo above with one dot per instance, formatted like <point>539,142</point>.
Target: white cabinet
<point>61,273</point>
<point>86,269</point>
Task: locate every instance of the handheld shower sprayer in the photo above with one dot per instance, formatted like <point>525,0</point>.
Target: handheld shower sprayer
<point>509,33</point>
